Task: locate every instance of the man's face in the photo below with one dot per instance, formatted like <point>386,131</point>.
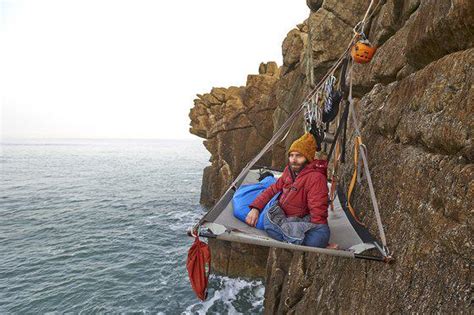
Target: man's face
<point>297,161</point>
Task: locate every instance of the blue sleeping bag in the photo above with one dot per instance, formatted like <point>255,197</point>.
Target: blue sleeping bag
<point>246,194</point>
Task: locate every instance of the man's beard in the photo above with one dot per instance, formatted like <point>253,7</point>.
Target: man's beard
<point>297,167</point>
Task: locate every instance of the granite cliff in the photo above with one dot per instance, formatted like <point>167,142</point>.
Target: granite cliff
<point>415,104</point>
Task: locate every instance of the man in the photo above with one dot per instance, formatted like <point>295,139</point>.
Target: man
<point>300,215</point>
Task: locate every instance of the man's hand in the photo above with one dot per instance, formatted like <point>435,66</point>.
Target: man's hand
<point>252,217</point>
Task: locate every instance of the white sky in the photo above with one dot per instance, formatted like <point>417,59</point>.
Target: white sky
<point>128,69</point>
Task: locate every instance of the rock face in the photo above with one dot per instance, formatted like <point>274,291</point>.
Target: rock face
<point>418,131</point>
<point>238,260</point>
<point>415,106</point>
<point>225,117</point>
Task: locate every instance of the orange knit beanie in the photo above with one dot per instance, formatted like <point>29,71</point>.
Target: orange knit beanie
<point>306,145</point>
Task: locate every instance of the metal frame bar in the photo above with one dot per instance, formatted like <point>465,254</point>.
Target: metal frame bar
<point>241,238</point>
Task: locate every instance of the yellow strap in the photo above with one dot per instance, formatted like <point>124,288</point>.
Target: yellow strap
<point>357,143</point>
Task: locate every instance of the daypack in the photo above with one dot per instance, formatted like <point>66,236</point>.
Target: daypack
<point>246,194</point>
<point>199,266</point>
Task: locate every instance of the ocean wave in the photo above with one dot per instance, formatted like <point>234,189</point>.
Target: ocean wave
<point>231,296</point>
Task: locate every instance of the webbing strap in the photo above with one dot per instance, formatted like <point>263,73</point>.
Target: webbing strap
<point>359,165</point>
<point>357,143</point>
<point>334,178</point>
<point>363,154</point>
<point>369,182</point>
<point>342,123</point>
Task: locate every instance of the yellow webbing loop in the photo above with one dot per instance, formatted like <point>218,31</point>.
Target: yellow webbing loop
<point>357,144</point>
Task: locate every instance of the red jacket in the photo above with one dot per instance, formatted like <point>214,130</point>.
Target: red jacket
<point>306,194</point>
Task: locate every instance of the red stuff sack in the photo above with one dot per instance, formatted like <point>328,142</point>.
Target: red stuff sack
<point>199,265</point>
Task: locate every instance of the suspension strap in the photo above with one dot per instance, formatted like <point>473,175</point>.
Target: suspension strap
<point>342,123</point>
<point>357,145</point>
<point>334,177</point>
<point>364,161</point>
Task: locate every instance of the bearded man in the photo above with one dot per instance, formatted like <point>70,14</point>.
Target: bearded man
<point>300,215</point>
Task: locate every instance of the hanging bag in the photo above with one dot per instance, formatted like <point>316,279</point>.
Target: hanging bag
<point>199,266</point>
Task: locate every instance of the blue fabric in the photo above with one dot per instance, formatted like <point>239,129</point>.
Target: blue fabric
<point>315,237</point>
<point>318,236</point>
<point>261,217</point>
<point>246,194</point>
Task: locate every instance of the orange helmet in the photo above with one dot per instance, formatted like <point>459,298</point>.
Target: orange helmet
<point>362,51</point>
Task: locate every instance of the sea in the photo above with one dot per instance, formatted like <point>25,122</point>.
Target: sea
<point>99,226</point>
